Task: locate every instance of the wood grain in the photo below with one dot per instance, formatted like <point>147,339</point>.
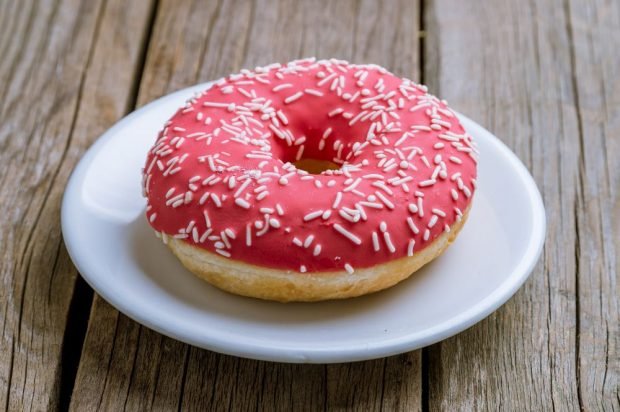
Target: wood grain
<point>540,77</point>
<point>60,88</point>
<point>193,42</point>
<point>595,36</point>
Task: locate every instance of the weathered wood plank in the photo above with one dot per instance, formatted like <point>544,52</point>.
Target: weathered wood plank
<point>595,38</point>
<point>192,42</point>
<point>525,75</point>
<point>58,93</point>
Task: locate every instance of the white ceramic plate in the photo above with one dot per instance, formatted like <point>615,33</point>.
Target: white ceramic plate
<point>117,253</point>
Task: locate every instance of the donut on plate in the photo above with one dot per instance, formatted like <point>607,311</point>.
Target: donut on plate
<point>311,180</point>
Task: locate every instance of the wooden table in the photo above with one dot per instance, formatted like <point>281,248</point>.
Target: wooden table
<point>542,75</point>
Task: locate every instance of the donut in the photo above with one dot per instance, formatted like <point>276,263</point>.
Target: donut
<point>311,180</point>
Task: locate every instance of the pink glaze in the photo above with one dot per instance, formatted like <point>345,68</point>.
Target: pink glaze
<point>220,174</point>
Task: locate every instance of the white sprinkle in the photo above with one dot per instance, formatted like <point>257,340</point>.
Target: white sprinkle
<point>361,210</point>
<point>282,117</point>
<point>439,212</point>
<point>426,183</point>
<point>388,242</point>
<point>402,139</point>
<point>207,220</point>
<point>427,234</point>
<point>169,192</point>
<point>244,92</point>
<point>335,112</point>
<point>455,195</point>
<point>383,187</point>
<point>413,208</point>
<point>300,153</point>
<point>419,106</point>
<point>242,203</point>
<point>347,234</point>
<point>243,186</point>
<point>373,176</point>
<point>385,200</point>
<point>248,234</point>
<point>281,86</point>
<point>353,185</point>
<point>312,215</point>
<point>349,268</point>
<point>441,123</point>
<point>467,191</point>
<point>213,104</point>
<point>223,252</point>
<point>317,250</point>
<point>433,220</point>
<point>225,240</point>
<point>279,209</point>
<point>410,247</point>
<point>205,235</point>
<point>314,92</point>
<point>351,218</point>
<point>274,222</point>
<point>204,198</point>
<point>425,161</point>
<point>327,132</point>
<point>293,97</point>
<point>231,234</point>
<point>326,79</point>
<point>326,214</point>
<point>216,200</point>
<point>447,137</point>
<point>373,205</point>
<point>357,117</point>
<point>412,226</point>
<point>337,200</point>
<point>302,269</point>
<point>420,207</point>
<point>188,197</point>
<point>375,242</point>
<point>308,241</point>
<point>383,226</point>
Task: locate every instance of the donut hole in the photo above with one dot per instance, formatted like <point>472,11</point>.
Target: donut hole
<point>315,166</point>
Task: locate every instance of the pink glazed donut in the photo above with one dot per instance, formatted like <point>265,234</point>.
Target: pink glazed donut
<point>311,180</point>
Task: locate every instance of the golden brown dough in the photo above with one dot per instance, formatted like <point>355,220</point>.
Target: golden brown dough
<point>288,286</point>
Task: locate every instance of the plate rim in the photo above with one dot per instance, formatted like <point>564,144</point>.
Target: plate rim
<point>351,352</point>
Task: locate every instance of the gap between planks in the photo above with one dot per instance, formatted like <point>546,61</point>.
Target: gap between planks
<point>82,300</point>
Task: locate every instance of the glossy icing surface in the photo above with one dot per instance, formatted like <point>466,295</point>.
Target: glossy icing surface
<point>221,174</point>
